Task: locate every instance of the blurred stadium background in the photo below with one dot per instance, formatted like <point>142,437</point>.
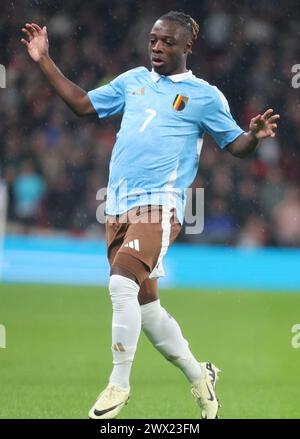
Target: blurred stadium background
<point>238,278</point>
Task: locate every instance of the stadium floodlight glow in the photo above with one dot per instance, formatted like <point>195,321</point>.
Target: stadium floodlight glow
<point>2,76</point>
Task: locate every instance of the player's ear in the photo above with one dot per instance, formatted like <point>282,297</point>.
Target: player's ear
<point>189,46</point>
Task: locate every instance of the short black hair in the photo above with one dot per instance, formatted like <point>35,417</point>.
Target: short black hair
<point>185,20</point>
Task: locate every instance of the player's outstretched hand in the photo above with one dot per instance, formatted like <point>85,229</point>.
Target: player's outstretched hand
<point>36,41</point>
<point>264,125</point>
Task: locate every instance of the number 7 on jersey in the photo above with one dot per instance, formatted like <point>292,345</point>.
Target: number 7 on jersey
<point>152,114</point>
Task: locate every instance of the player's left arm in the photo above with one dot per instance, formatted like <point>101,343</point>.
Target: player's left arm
<point>261,126</point>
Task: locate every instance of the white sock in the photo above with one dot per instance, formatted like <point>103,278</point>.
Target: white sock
<point>165,334</point>
<point>126,327</point>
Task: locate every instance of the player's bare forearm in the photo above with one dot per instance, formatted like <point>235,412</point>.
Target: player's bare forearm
<point>244,145</point>
<point>74,96</point>
<point>37,45</point>
<point>261,127</point>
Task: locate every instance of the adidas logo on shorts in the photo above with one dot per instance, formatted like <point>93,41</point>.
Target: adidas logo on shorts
<point>133,244</point>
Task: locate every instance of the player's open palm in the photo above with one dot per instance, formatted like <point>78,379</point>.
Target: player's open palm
<point>36,41</point>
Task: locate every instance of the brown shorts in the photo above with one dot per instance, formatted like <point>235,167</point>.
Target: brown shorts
<point>139,239</point>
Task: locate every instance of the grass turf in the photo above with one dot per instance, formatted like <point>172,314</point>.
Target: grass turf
<point>58,354</point>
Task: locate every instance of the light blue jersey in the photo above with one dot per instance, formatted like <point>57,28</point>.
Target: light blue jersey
<point>156,154</point>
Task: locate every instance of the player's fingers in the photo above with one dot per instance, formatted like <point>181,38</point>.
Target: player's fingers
<point>274,117</point>
<point>36,27</point>
<point>274,126</point>
<point>267,113</point>
<point>28,34</point>
<point>25,42</point>
<point>31,29</point>
<point>256,118</point>
<point>270,131</point>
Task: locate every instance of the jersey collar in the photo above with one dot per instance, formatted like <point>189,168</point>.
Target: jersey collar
<point>175,78</point>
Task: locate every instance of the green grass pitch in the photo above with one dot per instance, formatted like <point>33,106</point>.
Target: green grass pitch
<point>58,354</point>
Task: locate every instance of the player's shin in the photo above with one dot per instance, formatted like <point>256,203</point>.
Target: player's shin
<point>126,327</point>
<point>165,334</point>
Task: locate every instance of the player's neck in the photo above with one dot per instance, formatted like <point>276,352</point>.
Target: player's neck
<point>179,71</point>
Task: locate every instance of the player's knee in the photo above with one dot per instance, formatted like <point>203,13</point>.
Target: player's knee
<point>148,292</point>
<point>122,288</point>
<point>146,296</point>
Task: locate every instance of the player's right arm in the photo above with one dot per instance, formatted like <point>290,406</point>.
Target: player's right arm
<point>36,42</point>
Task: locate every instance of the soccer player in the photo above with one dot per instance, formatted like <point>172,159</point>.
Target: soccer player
<point>166,112</point>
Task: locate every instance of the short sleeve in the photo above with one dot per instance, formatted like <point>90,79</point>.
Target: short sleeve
<point>218,121</point>
<point>110,98</point>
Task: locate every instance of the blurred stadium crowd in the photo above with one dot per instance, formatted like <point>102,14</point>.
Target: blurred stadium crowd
<point>54,163</point>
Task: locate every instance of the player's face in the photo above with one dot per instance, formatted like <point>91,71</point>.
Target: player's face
<point>169,45</point>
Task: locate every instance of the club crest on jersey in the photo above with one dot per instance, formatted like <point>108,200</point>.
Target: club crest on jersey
<point>180,102</point>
